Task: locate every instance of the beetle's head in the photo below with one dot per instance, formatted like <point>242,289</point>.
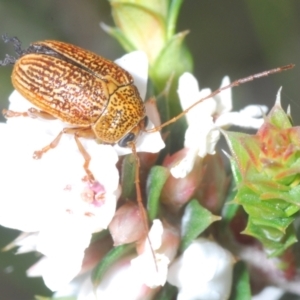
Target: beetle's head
<point>134,133</point>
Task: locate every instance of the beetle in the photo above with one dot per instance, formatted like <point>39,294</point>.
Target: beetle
<point>94,95</point>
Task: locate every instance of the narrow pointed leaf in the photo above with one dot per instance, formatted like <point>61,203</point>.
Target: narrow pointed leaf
<point>119,36</point>
<point>195,220</point>
<point>241,283</point>
<point>110,258</point>
<point>128,176</point>
<point>156,180</point>
<point>164,66</point>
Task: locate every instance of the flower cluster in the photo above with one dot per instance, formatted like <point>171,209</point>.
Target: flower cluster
<point>91,232</point>
<point>48,199</point>
<point>206,119</point>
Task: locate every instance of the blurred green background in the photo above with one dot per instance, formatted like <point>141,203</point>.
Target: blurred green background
<point>227,37</point>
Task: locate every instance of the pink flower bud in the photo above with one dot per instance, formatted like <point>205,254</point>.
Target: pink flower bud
<point>127,225</point>
<point>178,191</point>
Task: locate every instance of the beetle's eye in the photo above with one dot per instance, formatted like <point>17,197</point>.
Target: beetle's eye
<point>129,137</point>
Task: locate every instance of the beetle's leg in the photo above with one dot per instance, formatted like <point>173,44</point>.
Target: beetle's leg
<point>77,132</point>
<point>32,113</point>
<point>11,114</point>
<point>87,159</point>
<point>38,154</point>
<point>139,199</point>
<point>86,133</point>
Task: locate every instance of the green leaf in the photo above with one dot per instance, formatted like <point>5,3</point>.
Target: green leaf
<point>144,28</point>
<point>230,209</point>
<point>128,176</point>
<point>173,60</point>
<point>158,6</point>
<point>119,36</point>
<point>245,150</point>
<point>278,117</point>
<point>240,284</point>
<point>168,292</point>
<point>156,180</point>
<point>172,17</point>
<point>274,241</point>
<point>195,220</point>
<point>110,258</point>
<point>235,171</point>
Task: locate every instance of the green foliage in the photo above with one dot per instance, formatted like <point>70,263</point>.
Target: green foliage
<point>156,180</point>
<point>195,220</point>
<point>128,176</point>
<point>111,257</point>
<point>167,292</point>
<point>241,283</point>
<point>266,171</point>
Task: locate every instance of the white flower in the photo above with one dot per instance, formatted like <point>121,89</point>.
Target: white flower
<point>270,293</point>
<point>47,196</point>
<point>205,119</point>
<point>119,282</point>
<point>151,266</point>
<point>202,272</point>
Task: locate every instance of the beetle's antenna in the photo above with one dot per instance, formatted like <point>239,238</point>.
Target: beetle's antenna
<point>15,41</point>
<point>10,60</point>
<point>219,90</point>
<point>139,197</point>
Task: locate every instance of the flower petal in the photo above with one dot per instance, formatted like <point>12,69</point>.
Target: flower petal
<point>224,99</point>
<point>136,63</point>
<point>238,119</point>
<point>152,266</point>
<point>212,271</point>
<point>119,282</point>
<point>59,271</point>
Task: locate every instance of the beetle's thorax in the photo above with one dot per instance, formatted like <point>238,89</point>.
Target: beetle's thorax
<point>122,115</point>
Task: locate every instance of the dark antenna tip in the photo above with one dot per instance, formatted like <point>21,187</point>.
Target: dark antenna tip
<point>8,60</point>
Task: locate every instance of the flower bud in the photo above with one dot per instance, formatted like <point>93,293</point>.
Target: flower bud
<point>178,191</point>
<point>127,225</point>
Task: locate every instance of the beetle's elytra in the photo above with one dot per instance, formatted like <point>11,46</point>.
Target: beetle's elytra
<point>80,88</point>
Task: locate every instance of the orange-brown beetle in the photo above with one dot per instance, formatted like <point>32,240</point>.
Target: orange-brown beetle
<point>65,82</point>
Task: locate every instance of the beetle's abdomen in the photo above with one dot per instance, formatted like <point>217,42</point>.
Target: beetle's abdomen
<point>124,112</point>
<point>61,89</point>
